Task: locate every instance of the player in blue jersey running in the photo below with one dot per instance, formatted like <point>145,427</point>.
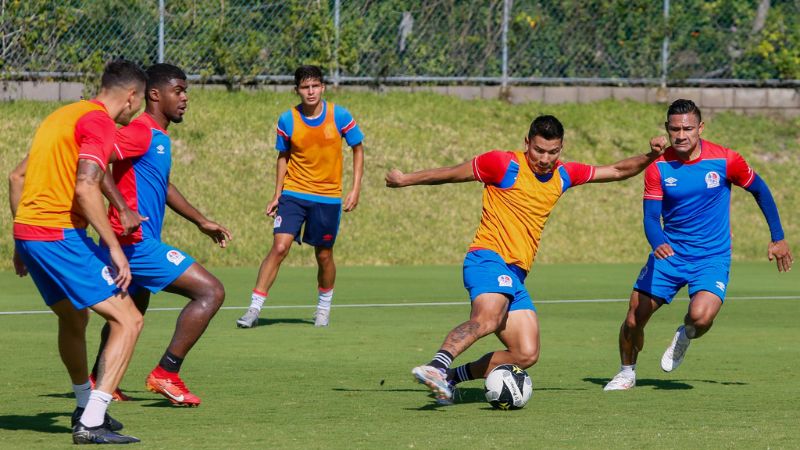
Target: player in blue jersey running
<point>689,187</point>
<point>144,190</point>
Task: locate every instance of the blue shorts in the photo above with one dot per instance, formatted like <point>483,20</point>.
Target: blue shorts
<point>663,278</point>
<point>486,272</point>
<point>154,264</point>
<point>321,220</point>
<point>72,268</point>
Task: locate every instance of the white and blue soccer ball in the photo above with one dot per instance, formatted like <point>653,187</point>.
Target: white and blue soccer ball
<point>508,387</point>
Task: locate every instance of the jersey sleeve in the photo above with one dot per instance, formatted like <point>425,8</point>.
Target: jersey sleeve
<point>576,174</point>
<point>133,140</point>
<point>739,172</point>
<point>652,183</point>
<point>347,126</point>
<point>94,133</point>
<point>493,167</point>
<point>284,132</point>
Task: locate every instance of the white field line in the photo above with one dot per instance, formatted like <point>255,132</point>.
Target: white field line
<point>422,304</point>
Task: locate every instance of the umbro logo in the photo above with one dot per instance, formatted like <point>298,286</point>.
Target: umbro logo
<point>160,149</point>
<point>671,182</point>
<point>720,286</point>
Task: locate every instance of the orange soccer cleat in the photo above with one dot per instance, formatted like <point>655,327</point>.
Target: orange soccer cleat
<point>170,386</point>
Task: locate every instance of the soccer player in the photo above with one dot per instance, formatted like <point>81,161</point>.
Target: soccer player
<point>689,187</point>
<point>520,191</point>
<point>142,176</point>
<point>308,188</point>
<point>54,193</point>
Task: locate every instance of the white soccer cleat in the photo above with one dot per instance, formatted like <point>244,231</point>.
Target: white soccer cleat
<point>249,319</point>
<point>620,382</point>
<point>436,380</point>
<point>673,356</point>
<point>322,317</point>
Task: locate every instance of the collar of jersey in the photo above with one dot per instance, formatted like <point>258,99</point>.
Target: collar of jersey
<point>316,121</point>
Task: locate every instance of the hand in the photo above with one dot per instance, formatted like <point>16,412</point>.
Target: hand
<point>19,266</point>
<point>663,251</point>
<point>217,232</point>
<point>351,201</point>
<point>130,221</point>
<point>121,269</point>
<point>272,207</point>
<point>780,252</point>
<point>658,144</point>
<point>394,178</point>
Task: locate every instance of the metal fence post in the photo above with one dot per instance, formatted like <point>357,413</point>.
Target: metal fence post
<point>665,46</point>
<point>336,7</point>
<point>506,9</point>
<point>160,31</point>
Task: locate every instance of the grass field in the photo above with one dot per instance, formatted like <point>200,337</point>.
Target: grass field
<point>290,385</point>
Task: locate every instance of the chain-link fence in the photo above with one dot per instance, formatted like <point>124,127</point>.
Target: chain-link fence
<point>738,42</point>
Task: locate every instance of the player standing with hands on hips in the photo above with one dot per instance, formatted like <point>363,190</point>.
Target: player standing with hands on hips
<point>689,187</point>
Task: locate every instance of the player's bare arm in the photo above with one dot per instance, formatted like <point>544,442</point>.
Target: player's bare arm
<point>178,203</point>
<point>280,176</point>
<point>779,251</point>
<point>629,167</point>
<point>90,198</point>
<point>16,181</point>
<point>351,201</point>
<point>455,174</point>
<point>130,219</point>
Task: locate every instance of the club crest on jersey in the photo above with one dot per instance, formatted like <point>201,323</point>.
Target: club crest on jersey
<point>505,281</point>
<point>106,274</point>
<point>175,257</point>
<point>671,182</point>
<point>720,286</point>
<point>712,179</point>
<point>278,221</point>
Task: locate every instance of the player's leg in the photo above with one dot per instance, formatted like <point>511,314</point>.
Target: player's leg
<point>291,214</point>
<point>206,295</point>
<point>326,278</point>
<point>707,287</point>
<point>321,230</point>
<point>520,334</point>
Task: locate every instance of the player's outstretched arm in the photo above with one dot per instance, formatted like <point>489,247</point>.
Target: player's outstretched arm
<point>280,176</point>
<point>441,175</point>
<point>778,248</point>
<point>128,218</point>
<point>90,198</point>
<point>16,181</point>
<point>629,167</point>
<point>178,203</point>
<point>351,201</point>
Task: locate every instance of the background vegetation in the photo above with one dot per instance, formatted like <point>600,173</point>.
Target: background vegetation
<point>224,162</point>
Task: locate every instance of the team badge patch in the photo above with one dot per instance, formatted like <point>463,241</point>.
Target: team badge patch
<point>278,221</point>
<point>712,179</point>
<point>106,274</point>
<point>505,281</point>
<point>175,257</point>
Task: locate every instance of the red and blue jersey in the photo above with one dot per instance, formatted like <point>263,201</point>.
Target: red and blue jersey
<point>517,203</point>
<point>696,197</point>
<point>142,177</point>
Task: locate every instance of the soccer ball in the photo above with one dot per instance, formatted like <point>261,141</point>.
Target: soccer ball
<point>508,387</point>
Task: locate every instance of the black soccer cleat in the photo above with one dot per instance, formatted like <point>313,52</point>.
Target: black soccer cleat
<point>108,422</point>
<point>82,434</point>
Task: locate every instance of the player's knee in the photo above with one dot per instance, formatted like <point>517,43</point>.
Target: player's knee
<point>527,358</point>
<point>280,250</point>
<point>216,295</point>
<point>631,322</point>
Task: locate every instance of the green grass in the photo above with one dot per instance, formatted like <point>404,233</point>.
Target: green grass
<point>224,163</point>
<point>289,385</point>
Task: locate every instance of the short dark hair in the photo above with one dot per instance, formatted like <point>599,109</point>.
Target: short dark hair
<point>161,74</point>
<point>122,73</point>
<point>683,106</point>
<point>547,127</point>
<point>308,72</point>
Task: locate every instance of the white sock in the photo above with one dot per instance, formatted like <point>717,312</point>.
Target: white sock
<point>82,392</point>
<point>325,298</point>
<point>257,299</point>
<point>628,371</point>
<point>95,408</point>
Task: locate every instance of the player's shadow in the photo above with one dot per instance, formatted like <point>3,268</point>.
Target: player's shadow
<point>667,385</point>
<point>127,392</point>
<point>262,321</point>
<point>42,422</point>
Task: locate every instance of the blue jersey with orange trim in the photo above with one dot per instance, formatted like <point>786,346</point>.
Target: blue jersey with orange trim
<point>517,203</point>
<point>143,176</point>
<point>696,197</point>
<point>314,171</point>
